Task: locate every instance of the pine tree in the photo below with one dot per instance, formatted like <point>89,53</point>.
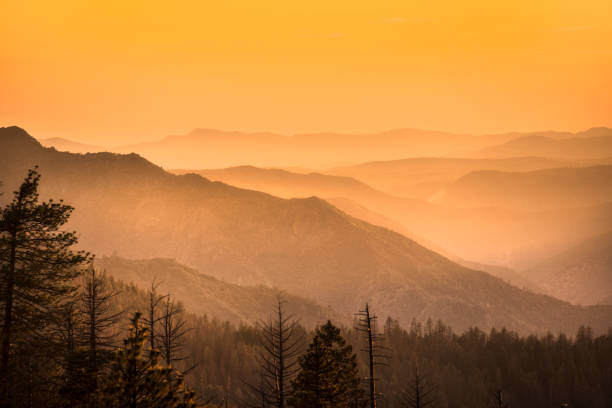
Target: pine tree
<point>73,391</point>
<point>138,381</point>
<point>37,270</point>
<point>328,374</point>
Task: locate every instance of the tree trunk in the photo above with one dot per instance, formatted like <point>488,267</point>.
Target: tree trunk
<point>371,360</point>
<point>8,307</point>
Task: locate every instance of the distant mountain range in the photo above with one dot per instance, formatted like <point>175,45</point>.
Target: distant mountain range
<point>128,206</point>
<point>65,145</point>
<point>345,194</point>
<point>511,236</point>
<point>211,148</point>
<point>582,274</point>
<point>535,190</point>
<point>585,147</point>
<point>423,177</point>
<point>202,294</point>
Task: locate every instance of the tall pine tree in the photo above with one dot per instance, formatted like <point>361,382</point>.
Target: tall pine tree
<point>328,374</point>
<point>37,270</point>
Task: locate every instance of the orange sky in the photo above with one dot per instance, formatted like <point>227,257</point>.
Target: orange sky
<point>110,73</point>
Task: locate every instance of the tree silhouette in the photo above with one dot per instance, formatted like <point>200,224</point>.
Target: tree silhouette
<point>419,393</point>
<point>278,358</point>
<point>152,319</point>
<point>38,267</point>
<point>373,348</point>
<point>138,381</point>
<point>328,374</point>
<point>173,329</point>
<point>98,321</point>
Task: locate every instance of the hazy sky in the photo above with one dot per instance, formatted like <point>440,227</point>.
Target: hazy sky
<point>113,72</point>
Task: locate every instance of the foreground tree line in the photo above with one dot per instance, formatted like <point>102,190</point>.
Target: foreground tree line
<point>72,337</point>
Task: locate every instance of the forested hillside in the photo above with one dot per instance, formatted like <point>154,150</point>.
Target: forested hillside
<point>128,206</point>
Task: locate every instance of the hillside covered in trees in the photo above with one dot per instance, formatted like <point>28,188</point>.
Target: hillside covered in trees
<point>72,336</point>
<point>127,206</point>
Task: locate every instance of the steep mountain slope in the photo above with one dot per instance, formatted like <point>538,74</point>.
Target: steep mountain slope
<point>581,275</point>
<point>537,190</point>
<point>352,208</point>
<point>512,237</point>
<point>65,145</point>
<point>128,206</point>
<point>586,147</point>
<point>350,196</point>
<point>202,294</point>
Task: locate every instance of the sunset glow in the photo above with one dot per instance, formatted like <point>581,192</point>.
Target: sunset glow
<point>116,72</point>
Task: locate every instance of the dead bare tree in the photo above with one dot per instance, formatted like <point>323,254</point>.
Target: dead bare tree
<point>153,318</point>
<point>172,331</point>
<point>374,348</point>
<point>257,394</point>
<point>98,320</point>
<point>420,393</point>
<point>278,359</point>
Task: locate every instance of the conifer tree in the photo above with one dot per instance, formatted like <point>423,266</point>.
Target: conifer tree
<point>328,374</point>
<point>37,269</point>
<point>72,390</point>
<point>138,381</point>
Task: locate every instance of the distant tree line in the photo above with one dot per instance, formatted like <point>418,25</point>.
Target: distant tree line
<point>73,337</point>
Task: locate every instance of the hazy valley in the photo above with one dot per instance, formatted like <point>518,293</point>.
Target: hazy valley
<point>520,243</point>
<point>304,246</point>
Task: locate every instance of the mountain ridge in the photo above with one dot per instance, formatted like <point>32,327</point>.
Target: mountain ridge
<point>127,205</point>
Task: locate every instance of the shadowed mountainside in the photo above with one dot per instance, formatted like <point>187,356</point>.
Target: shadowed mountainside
<point>581,275</point>
<point>202,294</point>
<point>126,205</point>
<point>516,238</point>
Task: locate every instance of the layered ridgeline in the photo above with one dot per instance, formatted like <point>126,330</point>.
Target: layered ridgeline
<point>423,177</point>
<point>595,143</point>
<point>536,190</point>
<point>126,205</point>
<point>492,220</point>
<point>582,274</point>
<point>65,145</point>
<point>210,148</point>
<point>203,294</point>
